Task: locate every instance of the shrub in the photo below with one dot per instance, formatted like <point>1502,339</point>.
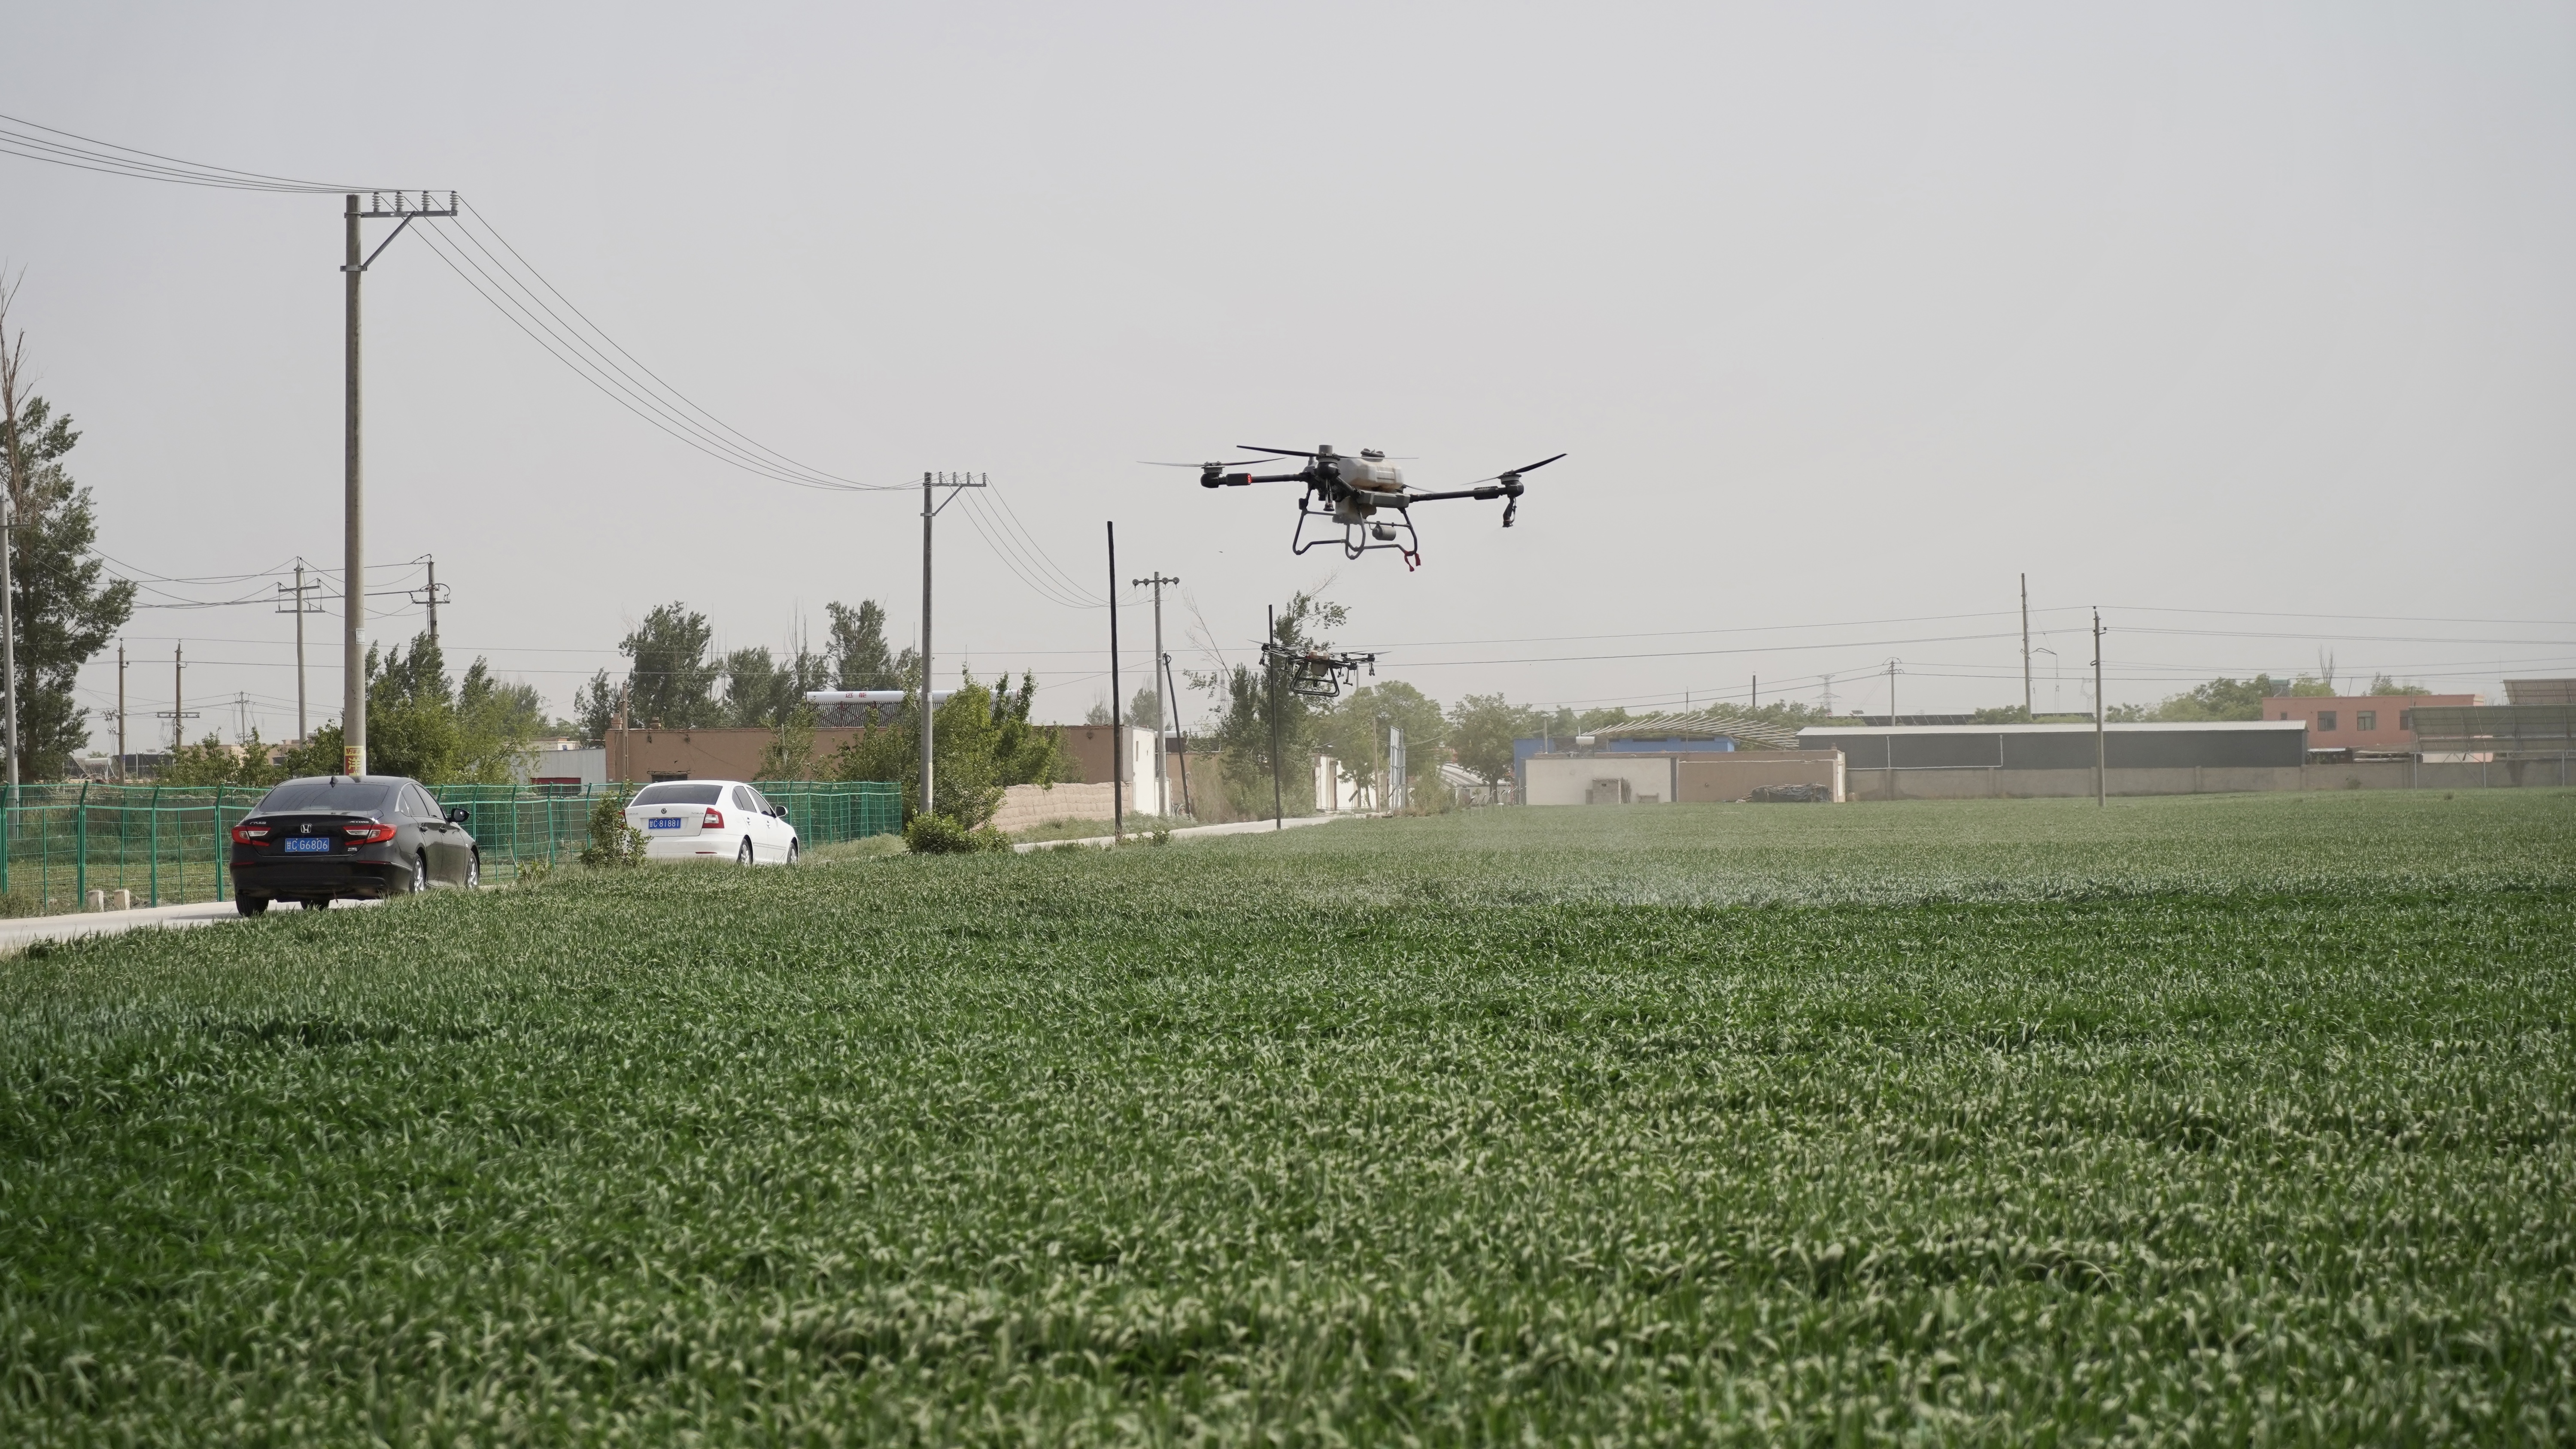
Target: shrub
<point>613,842</point>
<point>940,835</point>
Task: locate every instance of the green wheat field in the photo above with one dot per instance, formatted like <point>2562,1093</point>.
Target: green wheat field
<point>2222,1120</point>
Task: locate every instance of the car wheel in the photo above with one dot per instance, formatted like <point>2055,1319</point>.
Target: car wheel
<point>473,870</point>
<point>250,905</point>
<point>419,873</point>
<point>744,857</point>
<point>791,852</point>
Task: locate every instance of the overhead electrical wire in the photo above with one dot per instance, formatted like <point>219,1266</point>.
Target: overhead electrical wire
<point>514,287</point>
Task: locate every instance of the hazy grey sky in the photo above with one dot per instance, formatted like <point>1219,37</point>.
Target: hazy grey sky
<point>1845,313</point>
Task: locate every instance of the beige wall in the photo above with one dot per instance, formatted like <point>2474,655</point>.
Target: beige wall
<point>638,755</point>
<point>1026,807</point>
<point>1568,779</point>
<point>1734,775</point>
<point>1868,784</point>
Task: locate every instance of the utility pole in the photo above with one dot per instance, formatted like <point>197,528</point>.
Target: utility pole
<point>178,714</point>
<point>2101,785</point>
<point>1181,736</point>
<point>430,596</point>
<point>353,634</point>
<point>121,756</point>
<point>1162,691</point>
<point>1278,796</point>
<point>1117,709</point>
<point>1891,692</point>
<point>929,481</point>
<point>2026,711</point>
<point>302,730</point>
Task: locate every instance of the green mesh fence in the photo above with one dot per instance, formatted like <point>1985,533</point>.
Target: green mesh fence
<point>170,844</point>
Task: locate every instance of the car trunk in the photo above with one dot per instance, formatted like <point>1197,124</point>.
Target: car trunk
<point>670,822</point>
<point>291,836</point>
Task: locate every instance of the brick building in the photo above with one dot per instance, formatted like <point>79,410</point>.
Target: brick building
<point>2381,722</point>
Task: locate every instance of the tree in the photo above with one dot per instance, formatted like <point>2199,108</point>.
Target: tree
<point>2381,684</point>
<point>856,645</point>
<point>1355,731</point>
<point>212,762</point>
<point>594,708</point>
<point>66,609</point>
<point>1481,731</point>
<point>499,723</point>
<point>981,741</point>
<point>412,727</point>
<point>672,684</point>
<point>1244,727</point>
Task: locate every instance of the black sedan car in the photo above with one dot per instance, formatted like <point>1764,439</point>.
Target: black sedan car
<point>349,837</point>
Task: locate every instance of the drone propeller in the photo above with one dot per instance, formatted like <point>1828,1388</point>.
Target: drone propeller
<point>1285,452</point>
<point>1237,463</point>
<point>1517,472</point>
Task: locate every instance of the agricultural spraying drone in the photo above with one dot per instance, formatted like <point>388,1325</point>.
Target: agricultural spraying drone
<point>1366,496</point>
<point>1314,673</point>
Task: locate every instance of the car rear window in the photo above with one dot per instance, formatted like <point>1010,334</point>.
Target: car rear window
<point>679,792</point>
<point>339,793</point>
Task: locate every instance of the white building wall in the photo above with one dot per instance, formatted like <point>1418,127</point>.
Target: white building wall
<point>1564,780</point>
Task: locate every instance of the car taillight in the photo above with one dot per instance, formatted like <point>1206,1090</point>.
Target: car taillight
<point>368,834</point>
<point>714,821</point>
<point>249,834</point>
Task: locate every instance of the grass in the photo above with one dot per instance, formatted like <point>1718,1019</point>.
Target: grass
<point>1094,829</point>
<point>2215,1120</point>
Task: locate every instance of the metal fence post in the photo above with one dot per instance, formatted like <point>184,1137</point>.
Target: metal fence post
<point>156,844</point>
<point>80,848</point>
<point>220,862</point>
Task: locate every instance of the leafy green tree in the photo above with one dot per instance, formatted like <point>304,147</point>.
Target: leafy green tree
<point>67,609</point>
<point>2381,684</point>
<point>856,645</point>
<point>412,728</point>
<point>499,723</point>
<point>672,682</point>
<point>1355,730</point>
<point>761,692</point>
<point>1243,729</point>
<point>1482,728</point>
<point>212,762</point>
<point>982,741</point>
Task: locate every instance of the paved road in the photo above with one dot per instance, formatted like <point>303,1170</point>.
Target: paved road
<point>1239,827</point>
<point>17,934</point>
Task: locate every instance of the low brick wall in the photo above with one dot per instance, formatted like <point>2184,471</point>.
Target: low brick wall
<point>1025,807</point>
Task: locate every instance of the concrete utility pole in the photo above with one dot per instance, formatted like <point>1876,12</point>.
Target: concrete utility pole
<point>929,481</point>
<point>1891,693</point>
<point>430,596</point>
<point>1117,709</point>
<point>2101,711</point>
<point>179,714</point>
<point>120,712</point>
<point>1181,737</point>
<point>299,609</point>
<point>1162,693</point>
<point>353,638</point>
<point>2027,712</point>
<point>1278,795</point>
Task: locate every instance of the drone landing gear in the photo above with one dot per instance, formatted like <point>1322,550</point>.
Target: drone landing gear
<point>1390,529</point>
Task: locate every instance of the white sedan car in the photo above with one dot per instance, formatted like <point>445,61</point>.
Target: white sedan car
<point>711,820</point>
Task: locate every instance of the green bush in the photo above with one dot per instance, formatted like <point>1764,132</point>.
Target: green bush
<point>613,842</point>
<point>940,835</point>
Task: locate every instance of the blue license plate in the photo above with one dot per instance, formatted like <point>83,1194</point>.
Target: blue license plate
<point>666,822</point>
<point>308,845</point>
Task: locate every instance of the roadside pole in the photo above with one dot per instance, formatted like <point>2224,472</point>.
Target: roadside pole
<point>2101,711</point>
<point>1278,795</point>
<point>1162,700</point>
<point>1117,710</point>
<point>930,512</point>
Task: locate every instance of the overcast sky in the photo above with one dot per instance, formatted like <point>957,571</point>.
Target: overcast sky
<point>1847,315</point>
